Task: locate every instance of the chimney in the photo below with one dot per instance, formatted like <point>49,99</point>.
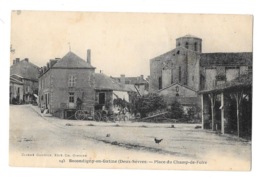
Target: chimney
<point>26,59</point>
<point>14,61</point>
<point>44,69</point>
<point>142,77</point>
<point>122,79</point>
<point>17,60</point>
<point>89,56</point>
<point>53,61</point>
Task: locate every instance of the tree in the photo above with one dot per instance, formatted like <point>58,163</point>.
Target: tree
<point>122,103</point>
<point>176,111</point>
<point>148,103</point>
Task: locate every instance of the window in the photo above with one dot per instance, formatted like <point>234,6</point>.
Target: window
<point>72,81</point>
<point>43,83</point>
<point>71,97</point>
<point>195,47</point>
<point>101,98</point>
<point>250,69</point>
<point>172,76</point>
<point>160,82</point>
<point>187,45</point>
<point>179,74</point>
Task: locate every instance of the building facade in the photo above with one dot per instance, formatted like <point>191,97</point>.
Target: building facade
<point>63,81</point>
<point>26,74</point>
<point>16,91</point>
<point>182,72</point>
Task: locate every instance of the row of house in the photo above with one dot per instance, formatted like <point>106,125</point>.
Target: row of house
<point>64,81</point>
<point>58,85</point>
<point>23,82</point>
<point>182,74</point>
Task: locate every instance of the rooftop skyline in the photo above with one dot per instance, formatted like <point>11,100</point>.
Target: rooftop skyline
<point>122,43</point>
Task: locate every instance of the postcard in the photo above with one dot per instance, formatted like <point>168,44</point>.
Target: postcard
<point>130,90</point>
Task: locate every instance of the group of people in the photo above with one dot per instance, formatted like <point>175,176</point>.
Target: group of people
<point>119,112</point>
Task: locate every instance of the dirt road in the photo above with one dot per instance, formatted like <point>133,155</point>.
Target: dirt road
<point>48,141</point>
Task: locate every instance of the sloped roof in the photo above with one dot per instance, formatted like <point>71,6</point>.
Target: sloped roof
<point>25,69</point>
<point>232,59</point>
<point>104,82</point>
<point>243,81</point>
<point>130,87</point>
<point>71,60</point>
<point>14,80</point>
<point>189,36</point>
<point>132,80</point>
<point>135,80</point>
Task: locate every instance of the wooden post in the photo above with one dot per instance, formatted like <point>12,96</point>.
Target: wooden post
<point>212,100</point>
<point>238,97</point>
<point>202,111</point>
<point>222,113</point>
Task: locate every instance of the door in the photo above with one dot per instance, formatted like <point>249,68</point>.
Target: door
<point>71,100</point>
<point>46,101</point>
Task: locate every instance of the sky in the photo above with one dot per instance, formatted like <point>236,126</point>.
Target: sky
<point>122,43</point>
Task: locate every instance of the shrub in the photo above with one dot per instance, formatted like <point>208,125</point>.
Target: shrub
<point>148,103</point>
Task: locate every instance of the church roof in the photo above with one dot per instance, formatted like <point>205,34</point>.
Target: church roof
<point>226,59</point>
<point>71,60</point>
<point>177,83</point>
<point>189,36</point>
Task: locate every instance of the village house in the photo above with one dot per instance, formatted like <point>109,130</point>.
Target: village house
<point>138,84</point>
<point>108,89</point>
<point>23,81</point>
<point>64,81</point>
<point>16,90</point>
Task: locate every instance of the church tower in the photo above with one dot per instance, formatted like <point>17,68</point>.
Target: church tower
<point>190,42</point>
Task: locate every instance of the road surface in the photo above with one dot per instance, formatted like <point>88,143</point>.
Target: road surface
<point>53,142</point>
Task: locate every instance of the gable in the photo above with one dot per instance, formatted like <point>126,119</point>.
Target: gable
<point>71,60</point>
<point>177,89</point>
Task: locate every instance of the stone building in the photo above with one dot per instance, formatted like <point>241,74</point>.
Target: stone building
<point>137,84</point>
<point>107,89</point>
<point>23,81</point>
<point>181,73</point>
<point>65,80</point>
<point>16,90</point>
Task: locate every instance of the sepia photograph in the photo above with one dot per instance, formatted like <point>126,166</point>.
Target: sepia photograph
<point>129,90</point>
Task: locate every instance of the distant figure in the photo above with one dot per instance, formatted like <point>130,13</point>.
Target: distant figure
<point>157,140</point>
<point>79,103</point>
